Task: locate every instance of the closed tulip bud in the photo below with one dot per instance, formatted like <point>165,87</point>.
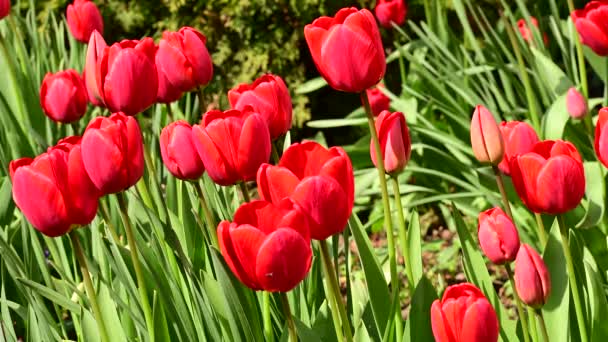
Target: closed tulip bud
<point>391,11</point>
<point>92,79</point>
<point>319,180</point>
<point>527,34</point>
<point>53,190</point>
<point>576,104</point>
<point>269,96</point>
<point>464,314</point>
<point>267,246</point>
<point>518,138</point>
<point>184,59</point>
<point>112,152</point>
<point>178,151</point>
<point>378,102</point>
<point>5,8</point>
<point>395,142</point>
<point>601,137</point>
<point>84,18</point>
<point>549,179</point>
<point>347,49</point>
<point>486,139</point>
<point>590,23</point>
<point>127,76</point>
<point>498,236</point>
<point>232,145</point>
<point>532,278</point>
<point>63,96</point>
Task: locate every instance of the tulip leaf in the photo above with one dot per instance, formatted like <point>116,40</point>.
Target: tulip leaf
<point>418,326</point>
<point>477,273</point>
<point>376,283</point>
<point>555,119</point>
<point>109,314</point>
<point>595,193</point>
<point>598,63</point>
<point>557,307</point>
<point>311,85</point>
<point>89,327</point>
<point>415,248</point>
<point>332,123</point>
<point>7,205</point>
<point>598,305</point>
<point>304,332</point>
<point>552,75</point>
<point>51,295</point>
<point>161,330</point>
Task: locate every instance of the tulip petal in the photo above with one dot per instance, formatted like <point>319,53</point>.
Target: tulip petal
<point>560,185</point>
<point>103,160</point>
<point>524,173</point>
<point>254,146</point>
<point>592,36</point>
<point>239,246</point>
<point>440,325</point>
<point>275,183</point>
<point>480,323</point>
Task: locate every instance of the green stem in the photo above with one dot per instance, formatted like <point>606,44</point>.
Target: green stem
<point>533,329</point>
<point>520,307</point>
<point>84,268</point>
<point>274,154</point>
<point>582,68</point>
<point>330,274</point>
<point>106,217</point>
<point>268,335</point>
<point>169,112</point>
<point>576,294</point>
<point>543,326</point>
<point>244,191</point>
<point>427,13</point>
<point>208,214</point>
<point>141,282</point>
<point>293,334</point>
<point>201,100</point>
<point>387,210</point>
<point>405,248</point>
<point>542,235</point>
<point>524,76</point>
<point>503,193</point>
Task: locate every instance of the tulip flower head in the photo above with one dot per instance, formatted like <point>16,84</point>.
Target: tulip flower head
<point>179,153</point>
<point>590,23</point>
<point>319,180</point>
<point>5,8</point>
<point>527,34</point>
<point>395,142</point>
<point>576,104</point>
<point>268,96</point>
<point>549,179</point>
<point>53,191</point>
<point>519,138</point>
<point>378,102</point>
<point>112,152</point>
<point>267,246</point>
<point>92,80</point>
<point>63,96</point>
<point>486,139</point>
<point>83,18</point>
<point>232,144</point>
<point>532,278</point>
<point>347,49</point>
<point>391,11</point>
<point>498,236</point>
<point>464,314</point>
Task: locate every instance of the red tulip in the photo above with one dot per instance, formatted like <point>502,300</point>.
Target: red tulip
<point>178,151</point>
<point>127,77</point>
<point>486,139</point>
<point>395,143</point>
<point>464,314</point>
<point>389,11</point>
<point>84,18</point>
<point>167,92</point>
<point>576,104</point>
<point>347,49</point>
<point>498,236</point>
<point>527,34</point>
<point>532,278</point>
<point>112,152</point>
<point>267,246</point>
<point>5,8</point>
<point>269,96</point>
<point>519,138</point>
<point>377,100</point>
<point>232,145</point>
<point>320,180</point>
<point>183,58</point>
<point>601,137</point>
<point>551,178</point>
<point>63,96</point>
<point>53,190</point>
<point>590,23</point>
<point>92,79</point>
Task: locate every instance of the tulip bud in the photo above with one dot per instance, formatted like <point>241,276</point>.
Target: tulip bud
<point>395,143</point>
<point>178,151</point>
<point>389,11</point>
<point>63,96</point>
<point>92,79</point>
<point>576,104</point>
<point>486,139</point>
<point>601,137</point>
<point>519,138</point>
<point>347,49</point>
<point>377,100</point>
<point>498,236</point>
<point>464,314</point>
<point>5,8</point>
<point>590,23</point>
<point>269,96</point>
<point>532,279</point>
<point>112,152</point>
<point>527,34</point>
<point>83,18</point>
